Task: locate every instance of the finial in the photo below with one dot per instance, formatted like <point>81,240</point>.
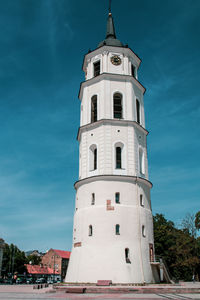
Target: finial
<point>109,9</point>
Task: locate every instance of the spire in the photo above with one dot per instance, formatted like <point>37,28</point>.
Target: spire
<point>110,39</point>
<point>110,33</point>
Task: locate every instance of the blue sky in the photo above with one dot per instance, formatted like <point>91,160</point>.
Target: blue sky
<point>42,44</point>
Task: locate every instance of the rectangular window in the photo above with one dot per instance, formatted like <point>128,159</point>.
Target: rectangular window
<point>127,257</point>
<point>133,69</point>
<point>94,109</point>
<point>117,197</point>
<point>118,158</point>
<point>117,106</point>
<point>97,68</point>
<point>138,110</point>
<point>117,229</point>
<point>93,199</point>
<point>141,200</point>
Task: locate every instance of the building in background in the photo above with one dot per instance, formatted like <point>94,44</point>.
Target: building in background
<point>36,272</point>
<point>57,260</point>
<point>1,254</point>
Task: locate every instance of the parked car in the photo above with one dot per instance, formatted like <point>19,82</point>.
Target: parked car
<point>41,280</point>
<point>29,280</point>
<point>8,281</point>
<point>20,280</point>
<point>50,281</point>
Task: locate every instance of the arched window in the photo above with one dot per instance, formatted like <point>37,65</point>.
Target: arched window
<point>117,106</point>
<point>118,154</point>
<point>94,108</point>
<point>141,161</point>
<point>138,111</point>
<point>117,229</point>
<point>93,157</point>
<point>127,257</point>
<point>117,197</point>
<point>90,230</point>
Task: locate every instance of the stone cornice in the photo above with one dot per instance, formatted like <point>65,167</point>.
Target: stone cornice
<point>119,122</point>
<point>124,50</point>
<point>110,76</point>
<point>121,178</point>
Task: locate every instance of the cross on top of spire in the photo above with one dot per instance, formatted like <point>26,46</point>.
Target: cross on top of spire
<point>109,9</point>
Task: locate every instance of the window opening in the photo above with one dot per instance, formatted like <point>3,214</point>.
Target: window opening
<point>117,197</point>
<point>117,103</point>
<point>94,109</point>
<point>95,158</point>
<point>143,231</point>
<point>97,68</point>
<point>90,230</point>
<point>141,200</point>
<point>151,252</point>
<point>127,257</point>
<point>138,110</point>
<point>117,229</point>
<point>133,69</point>
<point>93,199</point>
<point>118,158</point>
<point>141,161</point>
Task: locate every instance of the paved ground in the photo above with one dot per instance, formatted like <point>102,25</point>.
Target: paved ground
<point>20,292</point>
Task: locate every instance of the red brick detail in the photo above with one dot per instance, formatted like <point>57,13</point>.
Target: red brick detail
<point>108,205</point>
<point>78,244</point>
<point>104,282</point>
<point>110,208</point>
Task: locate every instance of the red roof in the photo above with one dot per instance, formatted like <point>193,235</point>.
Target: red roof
<point>35,269</point>
<point>62,253</point>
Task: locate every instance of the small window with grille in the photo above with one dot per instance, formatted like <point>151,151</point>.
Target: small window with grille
<point>127,256</point>
<point>97,68</point>
<point>117,227</point>
<point>90,230</point>
<point>93,199</point>
<point>117,197</point>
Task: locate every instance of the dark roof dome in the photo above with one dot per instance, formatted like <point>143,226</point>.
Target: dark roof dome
<point>110,39</point>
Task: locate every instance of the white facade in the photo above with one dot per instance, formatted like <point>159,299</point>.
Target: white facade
<point>113,228</point>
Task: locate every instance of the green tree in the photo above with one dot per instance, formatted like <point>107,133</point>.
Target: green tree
<point>197,220</point>
<point>179,247</point>
<point>34,259</point>
<point>188,223</point>
<point>13,260</point>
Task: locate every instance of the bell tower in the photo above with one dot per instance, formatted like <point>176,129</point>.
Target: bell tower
<point>113,227</point>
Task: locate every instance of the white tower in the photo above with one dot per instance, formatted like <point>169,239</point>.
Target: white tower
<point>113,229</point>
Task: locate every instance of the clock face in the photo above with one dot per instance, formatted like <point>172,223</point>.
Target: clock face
<point>116,60</point>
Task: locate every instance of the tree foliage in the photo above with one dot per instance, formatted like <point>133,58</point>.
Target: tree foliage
<point>188,223</point>
<point>34,259</point>
<point>178,247</point>
<point>13,260</point>
<point>197,220</point>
